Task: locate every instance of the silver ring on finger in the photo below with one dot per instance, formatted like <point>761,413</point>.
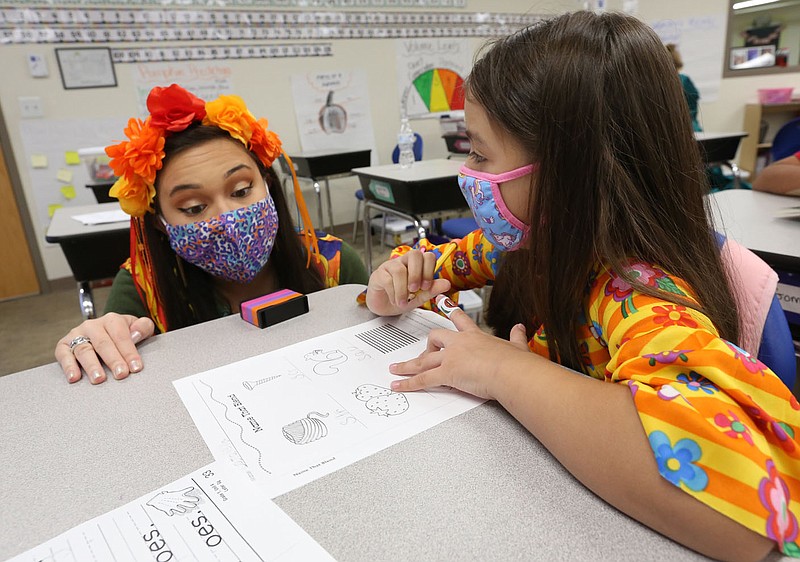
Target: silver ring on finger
<point>79,340</point>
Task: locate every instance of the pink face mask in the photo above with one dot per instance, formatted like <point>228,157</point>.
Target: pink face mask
<point>482,192</point>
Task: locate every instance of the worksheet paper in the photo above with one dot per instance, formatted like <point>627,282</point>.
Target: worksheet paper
<point>298,413</point>
<point>103,217</point>
<point>212,514</point>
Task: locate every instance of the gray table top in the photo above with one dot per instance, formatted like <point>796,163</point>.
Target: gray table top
<point>419,171</point>
<point>749,218</point>
<point>478,486</point>
<point>63,225</point>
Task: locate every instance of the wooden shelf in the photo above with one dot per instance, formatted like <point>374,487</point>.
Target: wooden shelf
<point>780,107</point>
<point>750,148</point>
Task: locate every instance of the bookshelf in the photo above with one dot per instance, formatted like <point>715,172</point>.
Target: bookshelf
<point>775,115</point>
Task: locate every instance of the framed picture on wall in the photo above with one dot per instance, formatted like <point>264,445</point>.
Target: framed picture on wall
<point>86,67</point>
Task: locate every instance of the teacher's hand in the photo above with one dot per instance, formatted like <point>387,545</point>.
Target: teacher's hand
<point>110,340</point>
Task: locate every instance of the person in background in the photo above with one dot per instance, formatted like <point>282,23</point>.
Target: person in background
<point>210,228</point>
<point>617,315</point>
<point>781,177</point>
<point>689,89</point>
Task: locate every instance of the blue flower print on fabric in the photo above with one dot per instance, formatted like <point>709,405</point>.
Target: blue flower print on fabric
<point>597,331</point>
<point>493,257</point>
<point>676,464</point>
<point>477,253</point>
<point>697,382</point>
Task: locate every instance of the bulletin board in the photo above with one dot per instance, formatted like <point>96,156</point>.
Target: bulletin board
<point>49,144</point>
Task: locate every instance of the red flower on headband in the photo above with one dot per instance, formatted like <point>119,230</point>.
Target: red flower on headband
<point>264,143</point>
<point>174,108</point>
<point>141,155</point>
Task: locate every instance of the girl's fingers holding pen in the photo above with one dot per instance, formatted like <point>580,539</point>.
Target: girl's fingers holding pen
<point>428,270</point>
<point>415,261</point>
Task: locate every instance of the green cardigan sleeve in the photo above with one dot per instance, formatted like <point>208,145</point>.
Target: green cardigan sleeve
<point>352,269</point>
<point>124,298</point>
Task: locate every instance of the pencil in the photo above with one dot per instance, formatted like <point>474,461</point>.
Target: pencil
<point>451,247</point>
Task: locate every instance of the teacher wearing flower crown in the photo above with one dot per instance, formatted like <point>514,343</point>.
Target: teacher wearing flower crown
<point>210,228</point>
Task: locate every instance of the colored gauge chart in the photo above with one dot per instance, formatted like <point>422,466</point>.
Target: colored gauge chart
<point>441,89</point>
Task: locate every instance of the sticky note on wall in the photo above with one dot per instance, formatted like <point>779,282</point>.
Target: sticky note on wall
<point>51,209</point>
<point>68,191</point>
<point>64,175</point>
<point>71,157</point>
<point>38,160</point>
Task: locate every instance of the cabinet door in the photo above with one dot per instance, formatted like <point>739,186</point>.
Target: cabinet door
<point>17,274</point>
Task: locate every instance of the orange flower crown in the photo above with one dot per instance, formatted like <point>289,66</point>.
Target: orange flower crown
<point>172,109</point>
<point>137,160</point>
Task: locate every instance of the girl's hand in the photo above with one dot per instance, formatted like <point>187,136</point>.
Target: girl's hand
<point>112,339</point>
<point>468,359</point>
<point>393,287</point>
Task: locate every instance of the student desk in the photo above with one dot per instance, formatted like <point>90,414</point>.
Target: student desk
<point>721,148</point>
<point>749,218</point>
<point>428,186</point>
<point>94,252</point>
<point>478,486</point>
<point>323,166</point>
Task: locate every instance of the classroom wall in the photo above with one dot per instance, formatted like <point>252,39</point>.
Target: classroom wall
<point>727,112</point>
<point>266,86</point>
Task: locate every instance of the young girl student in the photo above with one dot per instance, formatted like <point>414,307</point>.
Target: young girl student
<point>210,228</point>
<point>589,196</point>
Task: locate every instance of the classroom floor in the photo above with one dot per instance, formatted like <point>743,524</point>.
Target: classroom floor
<point>31,326</point>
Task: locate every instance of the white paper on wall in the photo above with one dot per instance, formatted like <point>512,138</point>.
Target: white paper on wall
<point>333,110</point>
<point>205,79</point>
<point>430,75</point>
<point>701,43</point>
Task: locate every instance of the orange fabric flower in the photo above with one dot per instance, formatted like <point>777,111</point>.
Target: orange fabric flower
<point>174,108</point>
<point>142,154</point>
<point>135,196</point>
<point>231,114</point>
<point>674,315</point>
<point>264,143</point>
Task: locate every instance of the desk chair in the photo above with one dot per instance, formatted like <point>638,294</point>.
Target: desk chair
<point>776,349</point>
<point>786,141</point>
<point>360,192</point>
<point>458,228</point>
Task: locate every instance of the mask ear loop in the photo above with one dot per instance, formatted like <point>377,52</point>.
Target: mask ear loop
<point>309,235</point>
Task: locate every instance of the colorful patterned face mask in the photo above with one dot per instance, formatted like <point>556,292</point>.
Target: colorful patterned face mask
<point>234,246</point>
<point>482,192</point>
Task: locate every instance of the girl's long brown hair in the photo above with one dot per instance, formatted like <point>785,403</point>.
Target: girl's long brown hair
<point>595,100</point>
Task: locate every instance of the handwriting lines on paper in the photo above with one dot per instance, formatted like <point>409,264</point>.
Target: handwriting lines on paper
<point>387,338</point>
